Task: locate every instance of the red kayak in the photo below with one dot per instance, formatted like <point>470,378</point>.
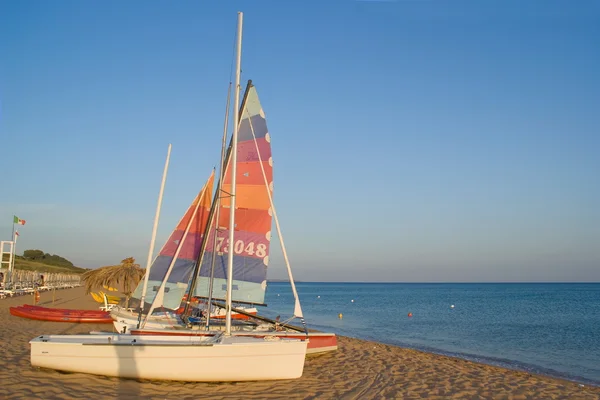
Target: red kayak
<point>67,310</point>
<point>61,315</point>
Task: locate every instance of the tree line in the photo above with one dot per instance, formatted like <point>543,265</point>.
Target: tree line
<point>46,258</point>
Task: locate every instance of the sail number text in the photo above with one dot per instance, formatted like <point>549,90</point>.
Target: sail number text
<point>250,248</point>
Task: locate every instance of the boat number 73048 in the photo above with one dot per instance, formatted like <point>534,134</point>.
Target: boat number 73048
<point>241,248</point>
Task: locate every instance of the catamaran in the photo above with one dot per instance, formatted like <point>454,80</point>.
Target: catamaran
<point>198,266</point>
<point>220,357</point>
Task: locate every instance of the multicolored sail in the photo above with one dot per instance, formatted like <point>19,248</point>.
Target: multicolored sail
<point>252,215</point>
<point>188,246</point>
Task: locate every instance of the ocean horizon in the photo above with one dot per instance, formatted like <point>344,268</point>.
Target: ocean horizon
<point>549,328</point>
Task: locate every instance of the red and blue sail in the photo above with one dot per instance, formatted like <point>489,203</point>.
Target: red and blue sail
<point>186,247</point>
<point>253,214</point>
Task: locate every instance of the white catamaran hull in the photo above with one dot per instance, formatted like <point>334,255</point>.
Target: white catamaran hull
<point>124,320</point>
<point>197,359</point>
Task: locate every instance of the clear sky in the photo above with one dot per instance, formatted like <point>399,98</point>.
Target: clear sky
<point>412,140</point>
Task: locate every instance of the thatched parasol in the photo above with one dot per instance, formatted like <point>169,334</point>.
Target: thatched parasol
<point>127,275</point>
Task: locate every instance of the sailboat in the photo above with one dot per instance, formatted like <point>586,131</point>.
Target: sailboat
<point>181,252</point>
<point>185,252</point>
<point>190,256</point>
<point>222,357</point>
<point>191,264</point>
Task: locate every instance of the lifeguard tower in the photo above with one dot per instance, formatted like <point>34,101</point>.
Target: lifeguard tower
<point>7,247</point>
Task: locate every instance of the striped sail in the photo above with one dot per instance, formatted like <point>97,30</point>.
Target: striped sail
<point>189,246</point>
<point>252,215</point>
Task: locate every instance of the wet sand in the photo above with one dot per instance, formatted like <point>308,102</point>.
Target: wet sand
<point>358,370</point>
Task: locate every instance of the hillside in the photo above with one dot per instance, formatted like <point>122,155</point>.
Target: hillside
<point>29,265</point>
<point>37,260</point>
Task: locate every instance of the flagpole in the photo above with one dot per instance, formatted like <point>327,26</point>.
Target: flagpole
<point>14,249</point>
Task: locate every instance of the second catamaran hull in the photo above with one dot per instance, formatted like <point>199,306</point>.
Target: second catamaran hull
<point>125,322</point>
<point>320,342</point>
<point>197,359</point>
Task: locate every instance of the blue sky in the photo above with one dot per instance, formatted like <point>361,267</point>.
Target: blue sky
<point>412,140</point>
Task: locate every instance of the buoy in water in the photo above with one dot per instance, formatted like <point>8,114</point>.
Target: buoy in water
<point>352,301</point>
<point>318,297</point>
<point>452,306</point>
<point>340,316</point>
<point>410,314</point>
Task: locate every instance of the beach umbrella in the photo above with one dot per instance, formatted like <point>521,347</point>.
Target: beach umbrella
<point>127,275</point>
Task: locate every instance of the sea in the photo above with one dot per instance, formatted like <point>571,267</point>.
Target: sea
<point>545,328</point>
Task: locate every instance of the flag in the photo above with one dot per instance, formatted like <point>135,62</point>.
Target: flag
<point>17,220</point>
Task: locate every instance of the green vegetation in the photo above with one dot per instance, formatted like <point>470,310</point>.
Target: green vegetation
<point>37,260</point>
<point>46,258</point>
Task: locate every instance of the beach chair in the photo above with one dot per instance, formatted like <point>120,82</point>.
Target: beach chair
<point>107,306</point>
<point>110,299</point>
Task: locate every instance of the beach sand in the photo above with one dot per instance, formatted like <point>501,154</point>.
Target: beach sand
<point>358,370</point>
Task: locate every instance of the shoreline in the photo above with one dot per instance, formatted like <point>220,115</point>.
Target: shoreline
<point>359,369</point>
<point>507,364</point>
<point>502,364</point>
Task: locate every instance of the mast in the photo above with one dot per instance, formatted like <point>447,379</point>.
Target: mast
<point>217,206</point>
<point>234,140</point>
<point>154,229</point>
<point>211,215</point>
